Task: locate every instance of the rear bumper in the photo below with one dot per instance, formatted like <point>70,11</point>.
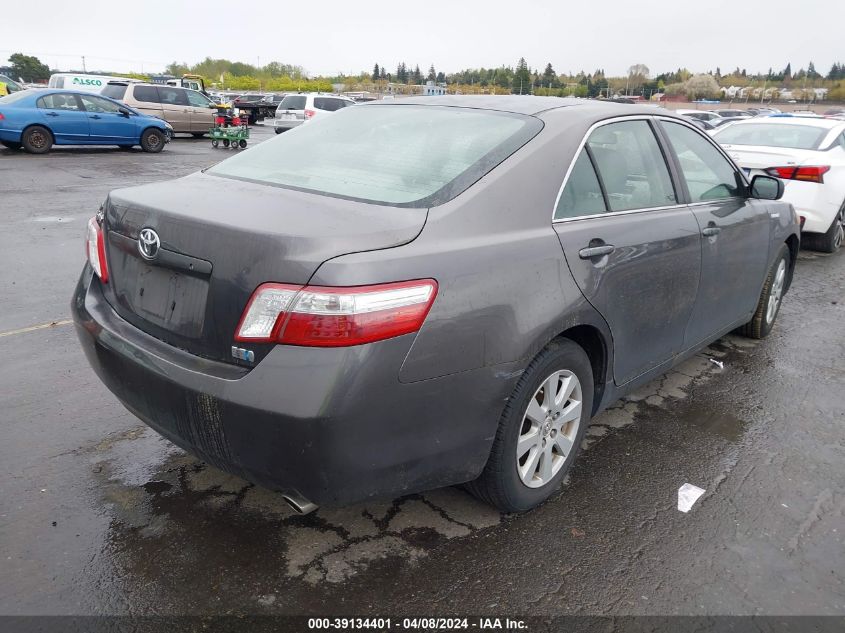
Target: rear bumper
<point>286,124</point>
<point>326,426</point>
<point>12,136</point>
<point>814,203</point>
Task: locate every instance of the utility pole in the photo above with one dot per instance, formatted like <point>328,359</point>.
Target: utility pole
<point>85,70</point>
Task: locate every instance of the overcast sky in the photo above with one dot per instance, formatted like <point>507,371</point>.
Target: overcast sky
<point>328,37</point>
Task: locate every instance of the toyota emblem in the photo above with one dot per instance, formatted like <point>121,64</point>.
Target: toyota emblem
<point>148,243</point>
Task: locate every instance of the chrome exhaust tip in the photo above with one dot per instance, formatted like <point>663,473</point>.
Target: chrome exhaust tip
<point>300,506</point>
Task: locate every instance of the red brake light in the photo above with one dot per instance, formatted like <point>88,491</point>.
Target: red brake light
<point>309,113</point>
<point>323,316</point>
<point>96,249</point>
<point>807,173</point>
<point>1,116</point>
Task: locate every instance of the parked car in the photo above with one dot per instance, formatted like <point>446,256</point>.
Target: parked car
<point>717,123</point>
<point>294,110</point>
<point>808,154</point>
<point>733,113</point>
<point>8,86</point>
<point>703,115</point>
<point>38,119</point>
<point>762,111</point>
<point>187,111</point>
<point>836,111</point>
<point>378,305</point>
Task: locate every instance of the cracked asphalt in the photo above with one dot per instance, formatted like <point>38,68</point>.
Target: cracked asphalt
<point>100,515</point>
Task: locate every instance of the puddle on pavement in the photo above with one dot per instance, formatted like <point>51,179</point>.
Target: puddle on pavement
<point>723,425</point>
<point>172,516</point>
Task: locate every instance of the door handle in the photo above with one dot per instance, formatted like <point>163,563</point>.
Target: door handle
<point>96,116</point>
<point>51,113</point>
<point>710,231</point>
<point>596,251</point>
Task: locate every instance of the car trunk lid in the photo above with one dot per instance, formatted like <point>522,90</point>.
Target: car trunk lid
<point>218,239</point>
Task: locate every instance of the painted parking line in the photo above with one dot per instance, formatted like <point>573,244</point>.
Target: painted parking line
<point>33,328</point>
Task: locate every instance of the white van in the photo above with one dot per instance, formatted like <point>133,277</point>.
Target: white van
<point>87,83</point>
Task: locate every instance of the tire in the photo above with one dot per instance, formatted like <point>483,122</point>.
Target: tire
<point>11,144</point>
<point>225,142</point>
<point>37,139</point>
<point>242,143</point>
<point>125,148</point>
<point>830,241</point>
<point>516,483</point>
<point>279,130</point>
<point>215,143</point>
<point>197,134</point>
<point>152,141</point>
<point>768,307</point>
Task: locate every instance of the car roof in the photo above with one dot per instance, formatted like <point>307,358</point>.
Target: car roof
<point>793,120</point>
<point>522,104</point>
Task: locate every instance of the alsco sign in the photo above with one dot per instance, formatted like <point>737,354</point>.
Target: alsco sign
<point>84,81</point>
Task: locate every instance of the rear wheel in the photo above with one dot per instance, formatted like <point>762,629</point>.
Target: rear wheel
<point>279,130</point>
<point>541,430</point>
<point>768,306</point>
<point>242,143</point>
<point>197,134</point>
<point>215,143</point>
<point>830,241</point>
<point>11,144</point>
<point>225,142</point>
<point>152,141</point>
<point>37,139</point>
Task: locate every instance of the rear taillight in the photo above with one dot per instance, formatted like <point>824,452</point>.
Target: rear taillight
<point>807,173</point>
<point>1,116</point>
<point>96,248</point>
<point>310,113</point>
<point>322,316</point>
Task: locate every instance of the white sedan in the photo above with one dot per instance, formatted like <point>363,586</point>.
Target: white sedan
<point>808,154</point>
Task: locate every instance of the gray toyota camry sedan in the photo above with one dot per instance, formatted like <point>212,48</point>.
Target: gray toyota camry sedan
<point>427,291</point>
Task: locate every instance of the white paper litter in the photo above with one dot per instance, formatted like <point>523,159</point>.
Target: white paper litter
<point>718,363</point>
<point>687,496</point>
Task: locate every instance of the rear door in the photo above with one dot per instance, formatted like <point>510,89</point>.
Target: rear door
<point>63,114</point>
<point>633,248</point>
<point>106,123</point>
<point>146,100</point>
<point>175,107</point>
<point>735,232</point>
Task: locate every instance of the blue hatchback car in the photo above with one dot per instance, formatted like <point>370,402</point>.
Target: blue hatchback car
<point>38,119</point>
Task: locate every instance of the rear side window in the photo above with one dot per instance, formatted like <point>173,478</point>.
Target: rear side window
<point>772,135</point>
<point>582,194</point>
<point>708,174</point>
<point>293,102</point>
<point>146,94</point>
<point>631,166</point>
<point>114,91</point>
<point>58,102</point>
<point>401,155</point>
<point>172,96</point>
<point>328,104</point>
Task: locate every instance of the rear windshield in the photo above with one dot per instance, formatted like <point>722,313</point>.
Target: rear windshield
<point>114,91</point>
<point>402,155</point>
<point>293,102</point>
<point>772,135</point>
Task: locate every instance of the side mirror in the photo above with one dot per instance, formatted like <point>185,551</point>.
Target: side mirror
<point>766,188</point>
<point>124,112</point>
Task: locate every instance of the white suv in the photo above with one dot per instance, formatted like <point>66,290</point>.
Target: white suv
<point>297,109</point>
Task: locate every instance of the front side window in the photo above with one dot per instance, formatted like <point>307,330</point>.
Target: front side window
<point>59,102</point>
<point>197,100</point>
<point>582,194</point>
<point>631,166</point>
<point>708,174</point>
<point>98,104</point>
<point>402,155</point>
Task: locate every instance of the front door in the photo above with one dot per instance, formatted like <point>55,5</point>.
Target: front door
<point>203,111</point>
<point>106,122</point>
<point>63,114</point>
<point>633,249</point>
<point>735,233</point>
<point>175,108</point>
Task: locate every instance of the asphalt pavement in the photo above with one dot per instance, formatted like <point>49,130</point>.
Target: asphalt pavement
<point>99,515</point>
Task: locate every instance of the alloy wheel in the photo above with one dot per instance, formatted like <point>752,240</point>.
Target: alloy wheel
<point>776,292</point>
<point>549,428</point>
